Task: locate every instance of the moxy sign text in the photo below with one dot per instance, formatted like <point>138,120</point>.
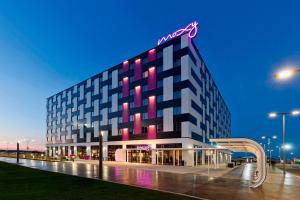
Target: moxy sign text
<point>191,29</point>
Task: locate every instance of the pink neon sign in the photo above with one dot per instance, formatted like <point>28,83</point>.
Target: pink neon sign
<point>191,29</point>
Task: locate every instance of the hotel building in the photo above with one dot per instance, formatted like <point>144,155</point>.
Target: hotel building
<point>156,107</point>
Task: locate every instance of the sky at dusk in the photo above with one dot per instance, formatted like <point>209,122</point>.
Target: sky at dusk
<point>48,46</point>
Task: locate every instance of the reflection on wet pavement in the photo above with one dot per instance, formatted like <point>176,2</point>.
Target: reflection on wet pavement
<point>233,185</point>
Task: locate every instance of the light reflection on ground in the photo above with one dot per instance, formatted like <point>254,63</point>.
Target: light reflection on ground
<point>234,185</point>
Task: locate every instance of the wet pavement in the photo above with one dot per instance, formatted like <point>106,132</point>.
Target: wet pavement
<point>233,185</point>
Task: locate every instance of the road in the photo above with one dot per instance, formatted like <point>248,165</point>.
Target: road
<point>233,185</point>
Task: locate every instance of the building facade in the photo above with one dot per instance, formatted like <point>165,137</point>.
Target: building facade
<point>150,108</point>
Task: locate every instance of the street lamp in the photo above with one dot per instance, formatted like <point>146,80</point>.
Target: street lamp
<point>100,154</point>
<point>284,114</point>
<point>269,145</point>
<point>278,147</point>
<point>286,73</point>
<point>18,151</point>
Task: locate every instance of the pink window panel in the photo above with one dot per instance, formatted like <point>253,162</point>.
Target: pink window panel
<point>137,69</point>
<point>125,87</point>
<point>125,116</point>
<point>151,78</point>
<point>125,134</point>
<point>137,124</point>
<point>151,107</point>
<point>151,55</point>
<point>151,132</point>
<point>125,66</point>
<point>137,96</point>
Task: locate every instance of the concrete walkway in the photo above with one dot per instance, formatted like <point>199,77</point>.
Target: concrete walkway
<point>204,170</point>
<point>232,185</point>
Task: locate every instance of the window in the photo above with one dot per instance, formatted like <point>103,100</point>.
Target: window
<point>159,54</point>
<point>145,88</point>
<point>177,95</point>
<point>159,113</point>
<point>109,75</point>
<point>131,118</point>
<point>119,119</point>
<point>145,102</point>
<point>131,105</point>
<point>120,107</point>
<point>176,47</point>
<point>109,98</point>
<point>131,92</point>
<point>177,62</point>
<point>159,127</point>
<point>145,116</point>
<point>176,110</point>
<point>131,79</point>
<point>160,84</point>
<point>177,126</point>
<point>144,60</point>
<point>159,98</point>
<point>131,66</point>
<point>109,132</point>
<point>144,129</point>
<point>159,69</point>
<point>145,74</point>
<point>177,78</point>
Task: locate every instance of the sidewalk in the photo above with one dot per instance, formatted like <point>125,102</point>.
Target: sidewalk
<point>199,170</point>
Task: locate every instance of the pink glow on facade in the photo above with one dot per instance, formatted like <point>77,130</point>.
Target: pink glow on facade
<point>137,69</point>
<point>151,55</point>
<point>151,78</point>
<point>137,124</point>
<point>151,107</point>
<point>137,97</point>
<point>191,29</point>
<point>125,87</point>
<point>125,66</point>
<point>152,132</point>
<point>125,115</point>
<point>125,134</point>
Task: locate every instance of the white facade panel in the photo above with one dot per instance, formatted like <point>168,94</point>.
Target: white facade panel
<point>168,58</point>
<point>114,103</point>
<point>96,86</point>
<point>81,92</point>
<point>168,119</point>
<point>114,79</point>
<point>105,94</point>
<point>114,125</point>
<point>168,88</point>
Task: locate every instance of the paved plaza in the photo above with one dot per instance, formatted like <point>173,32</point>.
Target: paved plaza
<point>221,184</point>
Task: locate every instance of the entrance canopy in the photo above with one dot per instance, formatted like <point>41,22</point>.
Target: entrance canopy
<point>247,145</point>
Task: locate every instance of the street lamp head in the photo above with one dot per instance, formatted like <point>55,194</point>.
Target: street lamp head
<point>285,74</point>
<point>263,137</point>
<point>295,112</point>
<point>272,114</point>
<point>287,146</point>
<point>274,137</point>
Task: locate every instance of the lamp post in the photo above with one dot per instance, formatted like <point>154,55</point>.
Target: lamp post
<point>286,73</point>
<point>279,153</point>
<point>100,154</point>
<point>18,153</point>
<point>284,114</point>
<point>269,145</point>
